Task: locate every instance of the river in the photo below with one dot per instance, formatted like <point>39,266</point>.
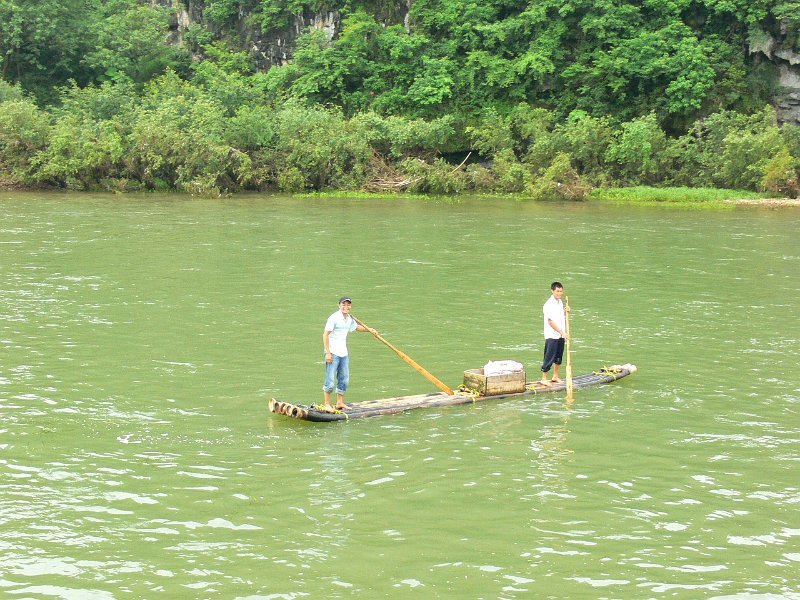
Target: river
<point>142,336</point>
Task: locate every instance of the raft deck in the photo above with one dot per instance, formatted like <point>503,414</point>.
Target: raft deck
<point>398,404</point>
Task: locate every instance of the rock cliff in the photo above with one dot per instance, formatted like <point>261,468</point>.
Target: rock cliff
<point>773,46</point>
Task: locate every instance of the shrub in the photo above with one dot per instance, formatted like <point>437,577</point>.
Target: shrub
<point>791,137</point>
<point>398,137</point>
<point>530,126</point>
<point>23,133</point>
<point>586,139</point>
<point>81,152</point>
<point>492,134</point>
<point>438,177</point>
<point>782,175</point>
<point>637,150</point>
<point>178,136</point>
<point>291,180</point>
<point>480,178</point>
<point>560,181</point>
<point>251,128</point>
<point>9,92</point>
<point>512,176</point>
<point>228,81</point>
<point>682,164</point>
<point>103,102</point>
<point>321,145</point>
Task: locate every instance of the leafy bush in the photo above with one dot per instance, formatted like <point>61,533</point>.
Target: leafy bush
<point>252,128</point>
<point>81,152</point>
<point>560,181</point>
<point>512,176</point>
<point>10,91</point>
<point>791,137</point>
<point>480,179</point>
<point>291,180</point>
<point>398,137</point>
<point>23,133</point>
<point>586,139</point>
<point>231,89</point>
<point>749,144</point>
<point>320,144</point>
<point>178,136</point>
<point>438,177</point>
<point>492,134</point>
<point>101,102</point>
<point>782,174</point>
<point>637,150</point>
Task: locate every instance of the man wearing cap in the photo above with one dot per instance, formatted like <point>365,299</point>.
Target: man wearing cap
<point>337,363</point>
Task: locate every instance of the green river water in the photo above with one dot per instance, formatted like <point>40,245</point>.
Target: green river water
<point>142,336</point>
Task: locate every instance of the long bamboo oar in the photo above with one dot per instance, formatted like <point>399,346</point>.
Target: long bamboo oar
<point>569,356</point>
<point>410,361</point>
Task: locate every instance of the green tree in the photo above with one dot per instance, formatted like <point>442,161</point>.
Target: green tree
<point>322,145</point>
<point>491,134</point>
<point>178,140</point>
<point>559,181</point>
<point>81,153</point>
<point>42,42</point>
<point>129,41</point>
<point>228,77</point>
<point>637,150</point>
<point>586,140</point>
<point>782,174</point>
<point>24,132</point>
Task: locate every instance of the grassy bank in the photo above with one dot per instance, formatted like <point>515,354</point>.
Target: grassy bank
<point>678,197</point>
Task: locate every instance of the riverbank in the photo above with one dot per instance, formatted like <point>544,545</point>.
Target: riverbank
<point>768,202</point>
<point>685,197</point>
<point>677,197</point>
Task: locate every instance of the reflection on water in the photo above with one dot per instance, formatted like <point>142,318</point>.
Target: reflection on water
<point>142,337</point>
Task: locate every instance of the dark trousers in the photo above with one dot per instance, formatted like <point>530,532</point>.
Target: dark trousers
<point>553,353</point>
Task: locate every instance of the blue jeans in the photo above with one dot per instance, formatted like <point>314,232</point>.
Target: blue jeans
<point>340,367</point>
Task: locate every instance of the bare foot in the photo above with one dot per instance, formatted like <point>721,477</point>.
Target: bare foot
<point>556,380</point>
<point>343,407</point>
<point>545,383</point>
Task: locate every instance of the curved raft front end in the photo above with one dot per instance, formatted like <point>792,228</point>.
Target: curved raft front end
<point>388,406</point>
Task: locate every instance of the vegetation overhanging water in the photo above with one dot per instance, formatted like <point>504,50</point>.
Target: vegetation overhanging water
<point>537,98</point>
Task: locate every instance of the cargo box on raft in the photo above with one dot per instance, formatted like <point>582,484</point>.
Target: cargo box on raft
<point>492,385</point>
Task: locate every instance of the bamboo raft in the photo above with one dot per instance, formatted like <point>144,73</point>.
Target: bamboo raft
<point>398,404</point>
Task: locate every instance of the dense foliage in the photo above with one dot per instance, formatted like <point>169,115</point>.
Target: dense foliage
<point>545,98</point>
<point>679,59</point>
<point>45,44</point>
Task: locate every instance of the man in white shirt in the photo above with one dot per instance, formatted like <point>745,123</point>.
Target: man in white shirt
<point>337,361</point>
<point>554,333</point>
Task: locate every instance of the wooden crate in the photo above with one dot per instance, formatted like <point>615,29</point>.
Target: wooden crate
<point>512,383</point>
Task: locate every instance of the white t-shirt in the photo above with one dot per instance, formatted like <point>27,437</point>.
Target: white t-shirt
<point>339,326</point>
<point>553,309</point>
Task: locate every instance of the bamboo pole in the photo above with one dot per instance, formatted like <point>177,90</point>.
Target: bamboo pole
<point>425,373</point>
<point>569,355</point>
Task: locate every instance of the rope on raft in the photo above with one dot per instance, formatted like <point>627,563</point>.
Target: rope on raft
<point>331,411</point>
<point>608,371</point>
<point>468,392</point>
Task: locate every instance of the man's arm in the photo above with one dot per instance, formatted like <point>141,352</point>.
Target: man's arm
<point>326,335</point>
<point>555,326</point>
